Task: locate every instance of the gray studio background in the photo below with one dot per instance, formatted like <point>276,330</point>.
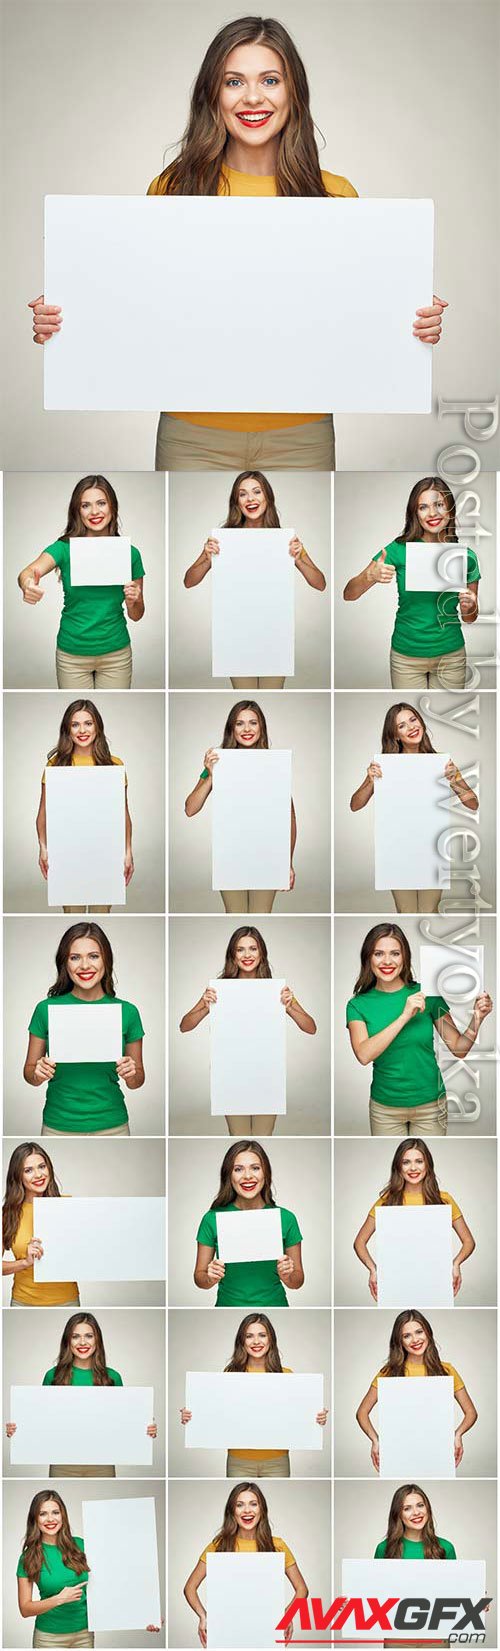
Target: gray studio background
<point>102,1169</point>
<point>369,513</point>
<point>359,720</point>
<point>304,1341</point>
<point>301,1183</point>
<point>135,1346</point>
<point>299,953</point>
<point>300,722</point>
<point>466,1338</point>
<point>17,1498</point>
<point>366,77</point>
<point>299,1513</point>
<point>134,726</point>
<point>466,1170</point>
<point>352,1081</point>
<point>198,504</point>
<point>35,513</point>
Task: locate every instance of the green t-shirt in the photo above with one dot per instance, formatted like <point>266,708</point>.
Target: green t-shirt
<point>407,1074</point>
<point>250,1283</point>
<point>415,1550</point>
<point>82,1378</point>
<point>427,621</point>
<point>70,1618</point>
<point>83,1096</point>
<point>92,619</point>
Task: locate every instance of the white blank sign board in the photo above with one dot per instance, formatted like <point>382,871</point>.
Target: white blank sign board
<point>251,820</point>
<point>249,1235</point>
<point>455,1580</point>
<point>123,1590</point>
<point>86,835</point>
<point>416,1427</point>
<point>245,1599</point>
<point>452,971</point>
<point>345,278</point>
<point>275,1413</point>
<point>85,1032</point>
<point>106,561</point>
<point>82,1424</point>
<point>253,602</point>
<point>435,567</point>
<point>247,1047</point>
<point>101,1238</point>
<point>409,819</point>
<point>414,1256</point>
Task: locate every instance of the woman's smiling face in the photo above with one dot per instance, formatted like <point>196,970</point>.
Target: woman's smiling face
<point>409,729</point>
<point>247,729</point>
<point>83,1341</point>
<point>432,511</point>
<point>35,1174</point>
<point>386,961</point>
<point>256,1341</point>
<point>414,1513</point>
<point>49,1519</point>
<point>253,98</point>
<point>252,500</point>
<point>247,954</point>
<point>413,1167</point>
<point>414,1339</point>
<point>247,1175</point>
<point>95,510</point>
<point>85,962</point>
<point>247,1512</point>
<point>83,730</point>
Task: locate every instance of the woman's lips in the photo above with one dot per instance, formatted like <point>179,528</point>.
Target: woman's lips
<point>248,1186</point>
<point>257,117</point>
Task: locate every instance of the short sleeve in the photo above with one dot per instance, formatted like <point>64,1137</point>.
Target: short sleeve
<point>290,1228</point>
<point>204,774</point>
<point>374,1380</point>
<point>389,555</point>
<point>137,563</point>
<point>153,187</point>
<point>437,1006</point>
<point>354,1010</point>
<point>48,1380</point>
<point>39,1023</point>
<point>282,1548</point>
<point>59,551</point>
<point>115,1377</point>
<point>210,1549</point>
<point>207,1230</point>
<point>473,568</point>
<point>446,1198</point>
<point>380,1550</point>
<point>458,1380</point>
<point>20,1569</point>
<point>132,1024</point>
<point>374,1209</point>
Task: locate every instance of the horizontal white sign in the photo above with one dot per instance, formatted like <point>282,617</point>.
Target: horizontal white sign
<point>245,1600</point>
<point>86,835</point>
<point>82,1424</point>
<point>416,1427</point>
<point>252,820</point>
<point>253,602</point>
<point>277,1412</point>
<point>249,1235</point>
<point>101,561</point>
<point>414,1255</point>
<point>422,1581</point>
<point>452,971</point>
<point>85,1032</point>
<point>247,1047</point>
<point>435,567</point>
<point>345,278</point>
<point>120,1542</point>
<point>101,1238</point>
<point>410,814</point>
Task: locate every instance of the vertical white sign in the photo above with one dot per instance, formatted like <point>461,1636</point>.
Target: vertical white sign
<point>245,1600</point>
<point>247,1047</point>
<point>410,814</point>
<point>253,602</point>
<point>86,836</point>
<point>414,1256</point>
<point>252,820</point>
<point>416,1427</point>
<point>123,1590</point>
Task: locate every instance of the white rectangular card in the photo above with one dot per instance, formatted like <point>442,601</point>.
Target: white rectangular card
<point>102,561</point>
<point>85,1032</point>
<point>422,1581</point>
<point>251,803</point>
<point>247,1047</point>
<point>345,278</point>
<point>253,602</point>
<point>452,971</point>
<point>435,567</point>
<point>414,1255</point>
<point>410,814</point>
<point>120,1542</point>
<point>86,836</point>
<point>82,1424</point>
<point>101,1239</point>
<point>245,1600</point>
<point>249,1235</point>
<point>276,1413</point>
<point>416,1427</point>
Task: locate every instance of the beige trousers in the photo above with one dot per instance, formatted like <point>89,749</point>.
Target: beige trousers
<point>68,1471</point>
<point>122,1129</point>
<point>87,671</point>
<point>248,900</point>
<point>184,446</point>
<point>431,1119</point>
<point>436,671</point>
<point>245,1124</point>
<point>257,681</point>
<point>406,900</point>
<point>82,1638</point>
<point>87,908</point>
<point>242,1467</point>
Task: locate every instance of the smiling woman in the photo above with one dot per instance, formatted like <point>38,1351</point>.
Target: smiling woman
<point>245,1530</point>
<point>245,730</point>
<point>246,1184</point>
<point>82,743</point>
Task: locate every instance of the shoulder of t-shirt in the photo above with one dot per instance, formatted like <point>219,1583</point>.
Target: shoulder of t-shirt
<point>136,557</point>
<point>437,1004</point>
<point>20,1567</point>
<point>337,185</point>
<point>78,1540</point>
<point>115,1376</point>
<point>154,186</point>
<point>49,1377</point>
<point>473,563</point>
<point>380,1549</point>
<point>448,1545</point>
<point>58,550</point>
<point>118,761</point>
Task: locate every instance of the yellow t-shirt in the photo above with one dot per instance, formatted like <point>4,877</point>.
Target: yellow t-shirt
<point>82,759</point>
<point>420,1370</point>
<point>262,1455</point>
<point>24,1288</point>
<point>415,1196</point>
<point>247,183</point>
<point>248,1545</point>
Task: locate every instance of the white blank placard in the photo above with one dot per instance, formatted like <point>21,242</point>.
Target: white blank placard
<point>410,814</point>
<point>247,1047</point>
<point>85,1032</point>
<point>416,1427</point>
<point>82,1424</point>
<point>276,1413</point>
<point>249,1235</point>
<point>245,1599</point>
<point>435,567</point>
<point>86,835</point>
<point>253,602</point>
<point>251,820</point>
<point>102,561</point>
<point>120,1543</point>
<point>455,1580</point>
<point>414,1255</point>
<point>452,971</point>
<point>344,277</point>
<point>101,1238</point>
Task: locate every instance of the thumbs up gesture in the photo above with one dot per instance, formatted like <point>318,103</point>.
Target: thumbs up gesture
<point>380,572</point>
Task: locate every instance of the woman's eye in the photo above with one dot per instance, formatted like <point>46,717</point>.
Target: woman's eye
<point>271,80</point>
<point>233,81</point>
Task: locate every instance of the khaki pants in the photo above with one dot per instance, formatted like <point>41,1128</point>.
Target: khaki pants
<point>243,1467</point>
<point>257,681</point>
<point>87,908</point>
<point>406,900</point>
<point>122,1129</point>
<point>29,1304</point>
<point>87,671</point>
<point>438,671</point>
<point>83,1638</point>
<point>68,1471</point>
<point>247,1124</point>
<point>184,446</point>
<point>431,1119</point>
<point>248,900</point>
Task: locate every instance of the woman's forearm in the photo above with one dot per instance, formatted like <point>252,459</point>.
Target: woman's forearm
<point>29,1074</point>
<point>301,1018</point>
<point>193,1598</point>
<point>197,797</point>
<point>363,1253</point>
<point>128,830</point>
<point>135,609</point>
<point>293,831</point>
<point>193,1017</point>
<point>9,1267</point>
<point>362,796</point>
<point>465,794</point>
<point>197,571</point>
<point>466,1039</point>
<point>356,587</point>
<point>365,1424</point>
<point>38,1607</point>
<point>202,1280</point>
<point>372,1047</point>
<point>312,575</point>
<point>41,820</point>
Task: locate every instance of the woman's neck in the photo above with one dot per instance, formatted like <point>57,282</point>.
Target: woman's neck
<point>389,985</point>
<point>257,163</point>
<point>256,1363</point>
<point>412,1536</point>
<point>82,1364</point>
<point>408,750</point>
<point>93,994</point>
<point>256,1203</point>
<point>247,974</point>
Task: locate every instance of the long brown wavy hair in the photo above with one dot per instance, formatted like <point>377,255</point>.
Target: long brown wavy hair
<point>230,970</point>
<point>226,1193</point>
<point>390,739</point>
<point>15,1193</point>
<point>225,1541</point>
<point>396,1361</point>
<point>382,931</point>
<point>228,737</point>
<point>412,528</point>
<point>82,931</point>
<point>62,753</point>
<point>75,528</point>
<point>65,1357</point>
<point>235,517</point>
<point>393,1192</point>
<point>395,1527</point>
<point>197,168</point>
<point>239,1356</point>
<point>32,1552</point>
